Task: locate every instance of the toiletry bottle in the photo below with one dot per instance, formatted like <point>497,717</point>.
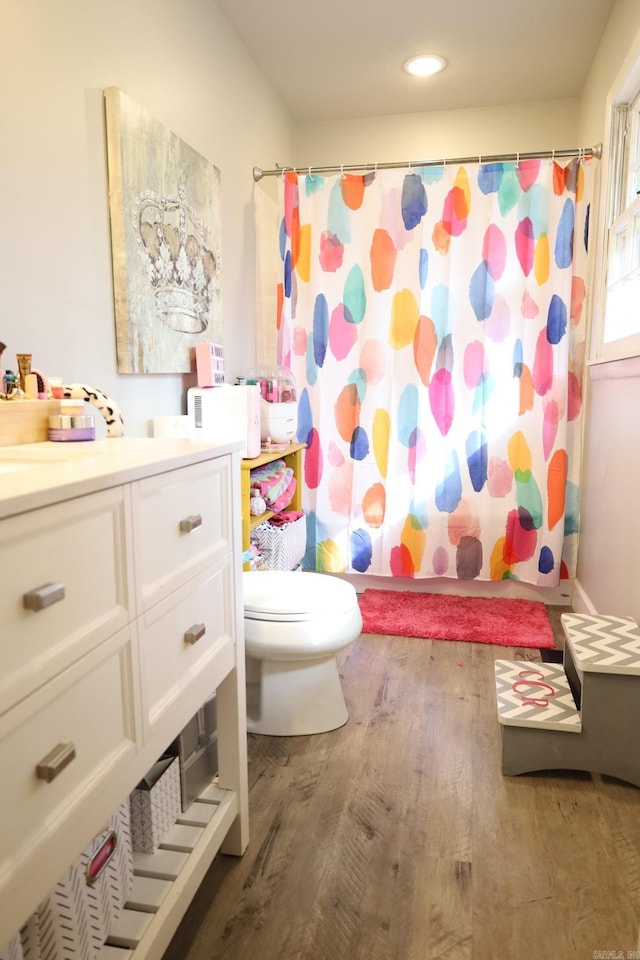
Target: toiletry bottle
<point>24,368</point>
<point>31,386</point>
<point>10,383</point>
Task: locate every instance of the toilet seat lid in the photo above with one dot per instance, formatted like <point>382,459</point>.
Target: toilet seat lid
<point>287,595</point>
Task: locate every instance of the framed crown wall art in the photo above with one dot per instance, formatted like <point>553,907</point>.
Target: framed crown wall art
<point>164,204</point>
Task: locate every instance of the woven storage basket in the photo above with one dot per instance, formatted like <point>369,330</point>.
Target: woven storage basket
<point>282,547</point>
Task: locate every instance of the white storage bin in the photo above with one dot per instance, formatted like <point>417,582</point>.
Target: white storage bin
<point>155,805</point>
<point>73,922</point>
<point>282,548</point>
<point>108,871</point>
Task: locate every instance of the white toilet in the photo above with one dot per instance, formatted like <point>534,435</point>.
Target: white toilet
<point>294,625</point>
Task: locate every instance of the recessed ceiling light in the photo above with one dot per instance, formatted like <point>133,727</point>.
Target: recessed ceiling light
<point>424,66</point>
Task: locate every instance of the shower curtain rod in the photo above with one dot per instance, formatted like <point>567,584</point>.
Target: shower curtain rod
<point>591,152</point>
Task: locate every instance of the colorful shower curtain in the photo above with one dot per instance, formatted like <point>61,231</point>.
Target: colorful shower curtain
<point>434,321</point>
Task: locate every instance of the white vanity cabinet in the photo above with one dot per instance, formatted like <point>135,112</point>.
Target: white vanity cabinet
<point>120,615</point>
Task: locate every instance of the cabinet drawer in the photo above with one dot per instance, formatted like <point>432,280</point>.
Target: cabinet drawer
<point>88,706</point>
<point>82,546</point>
<point>182,524</point>
<point>186,648</point>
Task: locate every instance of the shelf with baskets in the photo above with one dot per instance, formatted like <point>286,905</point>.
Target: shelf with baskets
<point>292,456</point>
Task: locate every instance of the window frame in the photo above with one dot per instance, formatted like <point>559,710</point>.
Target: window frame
<point>615,212</point>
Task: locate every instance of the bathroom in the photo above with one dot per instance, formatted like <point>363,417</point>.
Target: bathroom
<point>56,249</point>
<point>60,307</point>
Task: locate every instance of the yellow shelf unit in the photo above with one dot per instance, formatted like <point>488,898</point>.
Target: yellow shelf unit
<point>293,458</point>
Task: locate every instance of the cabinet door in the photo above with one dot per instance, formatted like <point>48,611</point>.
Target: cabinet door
<point>66,573</point>
<point>183,523</point>
<point>64,753</point>
<point>186,647</point>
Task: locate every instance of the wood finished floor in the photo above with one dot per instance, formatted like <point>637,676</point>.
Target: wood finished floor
<point>397,837</point>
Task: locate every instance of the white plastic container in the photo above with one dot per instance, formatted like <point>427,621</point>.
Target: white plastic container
<point>278,403</point>
<point>278,421</point>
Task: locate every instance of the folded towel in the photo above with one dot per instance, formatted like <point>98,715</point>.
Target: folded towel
<point>273,488</point>
<point>267,470</point>
<point>286,516</point>
<point>285,497</point>
<point>270,477</point>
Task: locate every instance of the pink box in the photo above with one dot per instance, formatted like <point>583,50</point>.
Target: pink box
<point>209,364</point>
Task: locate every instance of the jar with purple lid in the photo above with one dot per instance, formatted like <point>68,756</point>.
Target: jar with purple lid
<point>71,423</point>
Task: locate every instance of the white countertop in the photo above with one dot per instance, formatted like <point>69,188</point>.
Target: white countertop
<point>37,474</point>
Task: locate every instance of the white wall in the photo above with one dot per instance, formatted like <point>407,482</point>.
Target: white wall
<point>182,62</point>
<point>607,580</point>
<point>617,40</point>
<point>607,577</point>
<point>445,133</point>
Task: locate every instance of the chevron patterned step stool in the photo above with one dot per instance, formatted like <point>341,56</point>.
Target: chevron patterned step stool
<point>595,695</point>
<point>603,644</point>
<point>535,695</point>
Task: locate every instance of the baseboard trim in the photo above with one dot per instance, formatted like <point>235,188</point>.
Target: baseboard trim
<point>581,600</point>
<point>560,596</point>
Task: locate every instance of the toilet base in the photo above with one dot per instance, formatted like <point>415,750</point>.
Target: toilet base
<point>294,698</point>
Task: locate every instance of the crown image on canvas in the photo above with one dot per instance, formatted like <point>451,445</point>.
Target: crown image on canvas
<point>181,262</point>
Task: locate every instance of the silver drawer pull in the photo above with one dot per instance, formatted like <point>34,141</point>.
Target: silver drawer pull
<point>55,761</point>
<point>194,633</point>
<point>44,596</point>
<point>190,523</point>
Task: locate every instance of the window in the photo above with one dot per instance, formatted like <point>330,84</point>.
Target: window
<point>616,247</point>
<point>622,309</point>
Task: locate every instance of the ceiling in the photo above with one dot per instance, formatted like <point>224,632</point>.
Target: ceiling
<point>342,59</point>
